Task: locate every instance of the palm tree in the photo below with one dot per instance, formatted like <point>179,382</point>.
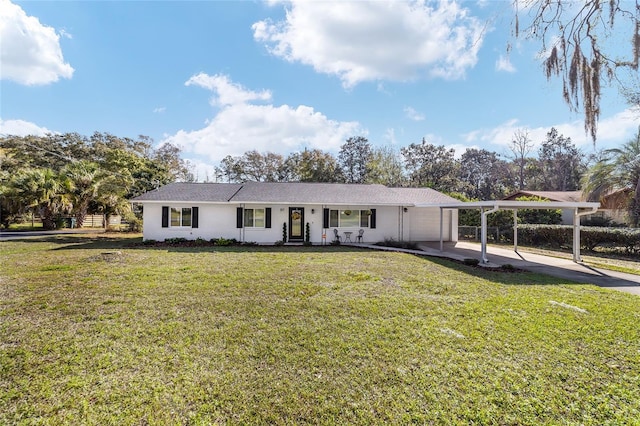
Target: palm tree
<point>111,198</point>
<point>85,178</point>
<point>43,190</point>
<point>617,176</point>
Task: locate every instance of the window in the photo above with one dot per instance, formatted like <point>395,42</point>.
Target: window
<point>349,218</point>
<point>254,218</point>
<point>180,216</point>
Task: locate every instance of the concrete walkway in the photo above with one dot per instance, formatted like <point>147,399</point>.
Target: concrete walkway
<point>557,267</point>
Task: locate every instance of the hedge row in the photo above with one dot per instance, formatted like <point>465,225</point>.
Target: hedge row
<point>625,239</point>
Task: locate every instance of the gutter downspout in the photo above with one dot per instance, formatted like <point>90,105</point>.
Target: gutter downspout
<point>483,232</point>
<point>441,237</point>
<point>576,231</point>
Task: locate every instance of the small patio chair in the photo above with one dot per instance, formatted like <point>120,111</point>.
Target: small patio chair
<point>336,236</point>
<point>359,237</point>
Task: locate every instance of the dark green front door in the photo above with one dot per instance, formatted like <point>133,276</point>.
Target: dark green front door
<point>296,223</point>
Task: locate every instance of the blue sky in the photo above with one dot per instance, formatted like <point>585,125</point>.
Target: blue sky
<point>221,78</point>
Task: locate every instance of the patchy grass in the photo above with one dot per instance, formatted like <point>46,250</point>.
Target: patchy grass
<point>96,331</point>
<point>26,226</point>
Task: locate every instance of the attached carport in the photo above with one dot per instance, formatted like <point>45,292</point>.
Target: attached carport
<point>487,207</point>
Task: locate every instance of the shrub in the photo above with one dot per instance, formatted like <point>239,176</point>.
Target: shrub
<point>200,241</point>
<point>623,239</point>
<point>175,240</point>
<point>222,241</point>
<point>390,242</point>
<point>539,216</point>
<point>134,223</point>
<point>471,262</point>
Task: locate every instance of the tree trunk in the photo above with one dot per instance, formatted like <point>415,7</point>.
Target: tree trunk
<point>48,219</point>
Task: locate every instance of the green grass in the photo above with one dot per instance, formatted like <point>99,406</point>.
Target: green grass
<point>26,226</point>
<point>94,331</point>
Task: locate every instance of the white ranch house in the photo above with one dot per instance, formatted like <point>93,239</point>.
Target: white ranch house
<point>256,212</point>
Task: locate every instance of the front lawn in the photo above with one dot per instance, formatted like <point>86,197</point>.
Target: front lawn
<point>96,331</point>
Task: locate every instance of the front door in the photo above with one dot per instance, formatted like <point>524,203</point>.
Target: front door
<point>296,223</point>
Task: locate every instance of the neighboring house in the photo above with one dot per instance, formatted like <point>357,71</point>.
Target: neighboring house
<point>257,211</point>
<point>562,196</point>
<point>572,197</point>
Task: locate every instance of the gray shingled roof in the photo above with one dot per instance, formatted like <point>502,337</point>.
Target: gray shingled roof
<point>294,193</point>
<point>183,191</point>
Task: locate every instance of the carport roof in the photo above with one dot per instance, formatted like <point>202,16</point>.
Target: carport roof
<point>514,205</point>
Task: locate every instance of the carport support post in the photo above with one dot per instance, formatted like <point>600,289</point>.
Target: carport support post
<point>515,230</point>
<point>576,236</point>
<point>483,236</point>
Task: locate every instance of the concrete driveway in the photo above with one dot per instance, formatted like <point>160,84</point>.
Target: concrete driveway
<point>557,267</point>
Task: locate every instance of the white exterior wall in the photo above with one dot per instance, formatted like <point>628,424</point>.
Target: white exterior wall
<point>219,220</point>
<point>214,221</point>
<point>423,224</point>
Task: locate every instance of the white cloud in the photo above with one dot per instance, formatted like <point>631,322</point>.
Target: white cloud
<point>159,110</point>
<point>612,132</point>
<point>228,93</point>
<point>414,115</point>
<point>30,52</point>
<point>240,126</point>
<point>504,64</point>
<point>202,171</point>
<point>377,40</point>
<point>21,128</point>
<point>460,148</point>
<point>390,135</point>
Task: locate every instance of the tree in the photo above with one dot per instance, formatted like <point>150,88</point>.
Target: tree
<point>85,179</point>
<point>385,167</point>
<point>43,190</point>
<point>520,147</point>
<point>432,166</point>
<point>484,176</point>
<point>232,168</point>
<point>561,162</point>
<point>313,166</point>
<point>617,176</point>
<point>574,38</point>
<point>354,157</point>
<point>168,156</point>
<point>262,167</point>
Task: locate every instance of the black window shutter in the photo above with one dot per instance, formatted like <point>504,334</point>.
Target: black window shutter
<point>372,223</point>
<point>325,218</point>
<point>194,217</point>
<point>239,212</point>
<point>267,217</point>
<point>165,216</point>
